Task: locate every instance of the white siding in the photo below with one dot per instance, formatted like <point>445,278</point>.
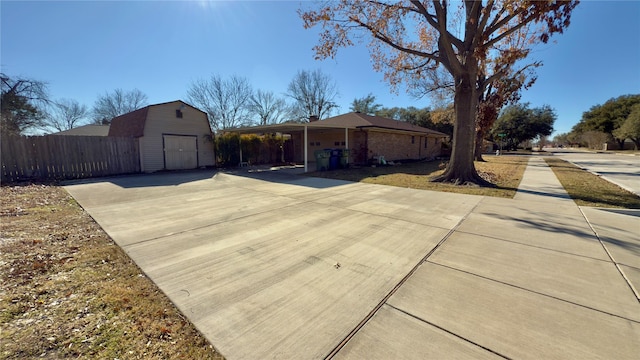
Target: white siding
<point>162,120</point>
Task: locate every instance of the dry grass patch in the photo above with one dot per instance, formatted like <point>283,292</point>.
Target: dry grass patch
<point>587,189</point>
<point>503,171</point>
<point>66,290</point>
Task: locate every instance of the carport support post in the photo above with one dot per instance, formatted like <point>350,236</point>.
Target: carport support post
<point>346,141</point>
<point>306,150</point>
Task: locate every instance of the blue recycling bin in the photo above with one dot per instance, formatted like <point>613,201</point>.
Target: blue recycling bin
<point>334,160</point>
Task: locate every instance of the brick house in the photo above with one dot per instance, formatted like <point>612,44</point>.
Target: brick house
<point>373,136</point>
<point>365,136</point>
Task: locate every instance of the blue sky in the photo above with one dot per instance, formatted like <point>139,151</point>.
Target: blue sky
<point>85,48</point>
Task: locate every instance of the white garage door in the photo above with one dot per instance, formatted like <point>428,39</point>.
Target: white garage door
<point>180,152</point>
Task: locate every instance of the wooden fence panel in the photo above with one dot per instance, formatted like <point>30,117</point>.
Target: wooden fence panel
<point>67,157</point>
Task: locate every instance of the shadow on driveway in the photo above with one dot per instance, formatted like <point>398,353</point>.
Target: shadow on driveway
<point>164,178</point>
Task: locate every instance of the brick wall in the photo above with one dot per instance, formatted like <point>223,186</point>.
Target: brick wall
<point>395,146</point>
<point>364,145</point>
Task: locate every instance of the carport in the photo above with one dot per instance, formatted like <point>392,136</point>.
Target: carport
<point>292,128</point>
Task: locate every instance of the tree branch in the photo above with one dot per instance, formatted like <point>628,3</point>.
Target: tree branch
<point>382,37</point>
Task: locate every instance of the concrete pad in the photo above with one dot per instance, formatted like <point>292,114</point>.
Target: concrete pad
<point>260,272</point>
<point>293,288</point>
<point>619,230</point>
<point>133,188</point>
<point>633,276</point>
<point>392,334</point>
<point>588,282</point>
<point>430,208</point>
<point>516,221</point>
<point>514,322</point>
<point>182,211</point>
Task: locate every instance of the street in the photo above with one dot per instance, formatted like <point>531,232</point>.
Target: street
<point>622,170</point>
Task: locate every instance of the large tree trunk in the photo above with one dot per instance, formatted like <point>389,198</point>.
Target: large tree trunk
<point>460,169</point>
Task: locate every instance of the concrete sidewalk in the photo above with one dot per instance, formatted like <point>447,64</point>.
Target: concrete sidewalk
<point>298,267</point>
<point>522,278</point>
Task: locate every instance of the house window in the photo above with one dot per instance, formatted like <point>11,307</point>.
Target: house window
<point>336,143</point>
<point>179,114</point>
<point>342,143</point>
<point>312,143</point>
<point>413,139</point>
<point>317,143</point>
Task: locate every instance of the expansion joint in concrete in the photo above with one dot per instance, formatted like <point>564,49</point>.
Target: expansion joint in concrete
<point>613,260</point>
<point>449,332</point>
<point>535,292</point>
<point>364,321</point>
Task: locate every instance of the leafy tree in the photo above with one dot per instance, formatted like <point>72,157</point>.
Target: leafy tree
<point>268,108</point>
<point>66,114</point>
<point>440,119</point>
<point>22,105</point>
<point>518,123</point>
<point>469,42</point>
<point>366,105</point>
<point>411,114</point>
<point>561,139</point>
<point>314,94</point>
<point>227,102</point>
<point>630,129</point>
<point>116,103</point>
<point>608,117</point>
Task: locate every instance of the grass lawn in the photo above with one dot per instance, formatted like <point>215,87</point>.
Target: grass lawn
<point>505,171</point>
<point>68,291</point>
<point>587,189</point>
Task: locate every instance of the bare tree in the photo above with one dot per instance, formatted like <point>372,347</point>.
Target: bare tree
<point>66,114</point>
<point>225,101</point>
<point>268,108</point>
<point>314,94</point>
<point>117,103</point>
<point>595,139</point>
<point>22,104</point>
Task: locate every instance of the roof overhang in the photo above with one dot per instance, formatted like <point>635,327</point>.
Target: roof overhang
<point>295,127</point>
<point>284,128</point>
<point>403,131</point>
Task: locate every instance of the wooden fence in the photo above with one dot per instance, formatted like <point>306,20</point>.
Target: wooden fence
<point>57,157</point>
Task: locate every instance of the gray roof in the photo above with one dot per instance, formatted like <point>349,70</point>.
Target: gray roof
<point>86,130</point>
<point>352,120</point>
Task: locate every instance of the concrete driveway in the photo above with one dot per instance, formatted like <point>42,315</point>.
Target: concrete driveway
<point>277,267</point>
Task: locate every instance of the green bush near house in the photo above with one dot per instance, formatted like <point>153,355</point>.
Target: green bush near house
<point>256,149</point>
